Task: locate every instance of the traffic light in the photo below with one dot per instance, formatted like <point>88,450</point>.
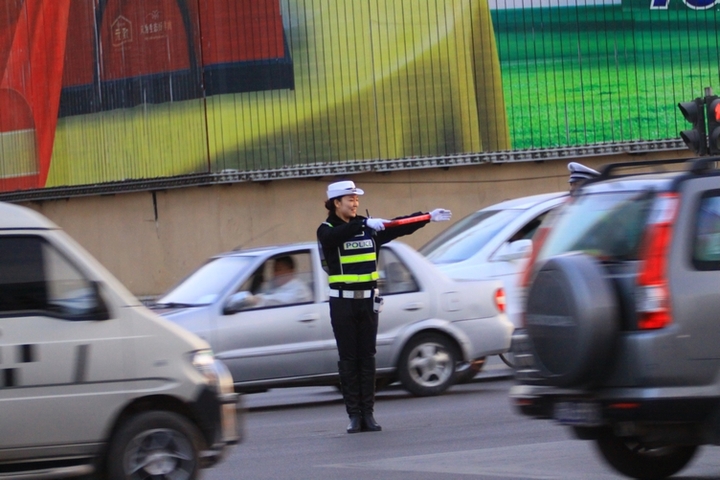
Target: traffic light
<point>694,112</point>
<point>712,104</point>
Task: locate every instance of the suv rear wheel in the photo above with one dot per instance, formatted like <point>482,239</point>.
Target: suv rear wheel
<point>636,459</point>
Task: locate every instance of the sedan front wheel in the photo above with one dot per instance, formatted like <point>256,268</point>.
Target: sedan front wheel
<point>427,364</point>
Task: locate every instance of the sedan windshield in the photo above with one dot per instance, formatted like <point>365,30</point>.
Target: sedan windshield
<point>207,282</point>
<point>468,236</point>
<point>606,225</point>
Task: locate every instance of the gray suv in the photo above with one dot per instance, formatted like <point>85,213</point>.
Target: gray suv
<point>621,335</point>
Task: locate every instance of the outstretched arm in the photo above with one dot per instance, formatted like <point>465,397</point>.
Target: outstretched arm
<point>393,232</point>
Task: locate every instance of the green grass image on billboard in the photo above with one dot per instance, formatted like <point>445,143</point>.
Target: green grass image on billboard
<point>610,73</point>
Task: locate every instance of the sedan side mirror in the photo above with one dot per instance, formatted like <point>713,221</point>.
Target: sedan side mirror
<point>514,250</point>
<point>236,302</point>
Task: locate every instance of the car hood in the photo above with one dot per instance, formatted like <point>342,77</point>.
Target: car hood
<point>186,317</point>
<point>168,312</point>
<point>156,327</point>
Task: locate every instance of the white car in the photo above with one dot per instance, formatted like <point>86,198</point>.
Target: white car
<point>429,327</point>
<point>493,244</point>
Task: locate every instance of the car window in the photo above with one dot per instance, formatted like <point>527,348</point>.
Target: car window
<point>468,236</point>
<point>527,232</point>
<point>205,284</point>
<point>706,250</point>
<point>284,279</point>
<point>607,225</point>
<point>35,278</point>
<point>395,277</point>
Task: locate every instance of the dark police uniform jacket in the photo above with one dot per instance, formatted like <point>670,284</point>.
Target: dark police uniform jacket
<point>350,250</point>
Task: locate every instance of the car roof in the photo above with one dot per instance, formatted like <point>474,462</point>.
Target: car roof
<point>16,217</point>
<point>524,203</point>
<point>255,251</point>
<point>647,181</point>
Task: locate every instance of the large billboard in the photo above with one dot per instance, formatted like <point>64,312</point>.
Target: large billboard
<point>578,72</point>
<point>95,91</point>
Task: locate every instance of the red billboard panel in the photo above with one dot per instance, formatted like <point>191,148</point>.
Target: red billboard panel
<point>155,51</point>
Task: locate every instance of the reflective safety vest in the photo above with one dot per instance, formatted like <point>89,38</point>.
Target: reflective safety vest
<point>358,260</point>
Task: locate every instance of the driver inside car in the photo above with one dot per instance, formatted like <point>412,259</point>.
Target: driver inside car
<point>284,288</point>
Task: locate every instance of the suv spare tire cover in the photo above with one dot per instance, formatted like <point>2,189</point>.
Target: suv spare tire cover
<point>572,320</point>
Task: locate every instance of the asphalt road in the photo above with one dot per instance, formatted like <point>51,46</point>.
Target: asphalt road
<point>470,432</point>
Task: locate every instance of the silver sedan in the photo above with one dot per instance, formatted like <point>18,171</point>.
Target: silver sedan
<point>430,325</point>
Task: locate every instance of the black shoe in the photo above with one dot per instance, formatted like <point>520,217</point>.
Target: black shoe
<point>369,424</point>
<point>355,424</point>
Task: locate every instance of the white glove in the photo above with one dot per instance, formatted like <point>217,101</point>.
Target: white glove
<point>440,215</point>
<point>376,223</point>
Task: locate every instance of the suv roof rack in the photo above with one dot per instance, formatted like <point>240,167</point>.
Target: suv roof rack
<point>698,166</point>
<point>701,166</point>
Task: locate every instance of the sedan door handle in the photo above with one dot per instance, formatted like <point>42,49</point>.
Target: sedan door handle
<point>413,306</point>
<point>310,317</point>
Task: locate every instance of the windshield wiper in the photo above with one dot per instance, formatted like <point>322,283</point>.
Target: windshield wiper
<point>175,305</point>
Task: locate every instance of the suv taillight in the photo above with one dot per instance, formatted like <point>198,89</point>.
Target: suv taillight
<point>653,300</point>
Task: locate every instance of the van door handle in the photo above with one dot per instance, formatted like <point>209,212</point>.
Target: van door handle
<point>310,317</point>
<point>413,306</point>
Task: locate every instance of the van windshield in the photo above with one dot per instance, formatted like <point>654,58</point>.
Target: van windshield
<point>206,283</point>
<point>608,226</point>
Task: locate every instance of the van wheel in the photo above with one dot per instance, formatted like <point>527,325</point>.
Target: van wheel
<point>158,445</point>
<point>635,459</point>
<point>427,364</point>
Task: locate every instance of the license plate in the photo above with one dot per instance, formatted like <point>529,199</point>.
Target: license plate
<point>577,413</point>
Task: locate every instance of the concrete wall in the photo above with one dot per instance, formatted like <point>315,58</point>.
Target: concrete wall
<point>152,240</point>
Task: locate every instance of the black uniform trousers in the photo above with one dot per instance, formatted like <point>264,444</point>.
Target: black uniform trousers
<point>355,327</point>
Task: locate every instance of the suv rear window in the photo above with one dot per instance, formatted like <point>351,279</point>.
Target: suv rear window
<point>608,226</point>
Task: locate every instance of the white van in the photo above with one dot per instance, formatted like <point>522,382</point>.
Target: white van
<point>91,380</point>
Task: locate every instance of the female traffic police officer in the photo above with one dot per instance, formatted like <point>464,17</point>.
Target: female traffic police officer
<point>350,244</point>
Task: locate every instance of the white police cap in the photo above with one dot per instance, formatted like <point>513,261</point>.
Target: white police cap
<point>579,171</point>
<point>340,189</point>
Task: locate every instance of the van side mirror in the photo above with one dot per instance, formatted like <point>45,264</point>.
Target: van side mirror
<point>82,304</point>
<point>236,302</point>
<point>514,250</point>
<point>101,310</point>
